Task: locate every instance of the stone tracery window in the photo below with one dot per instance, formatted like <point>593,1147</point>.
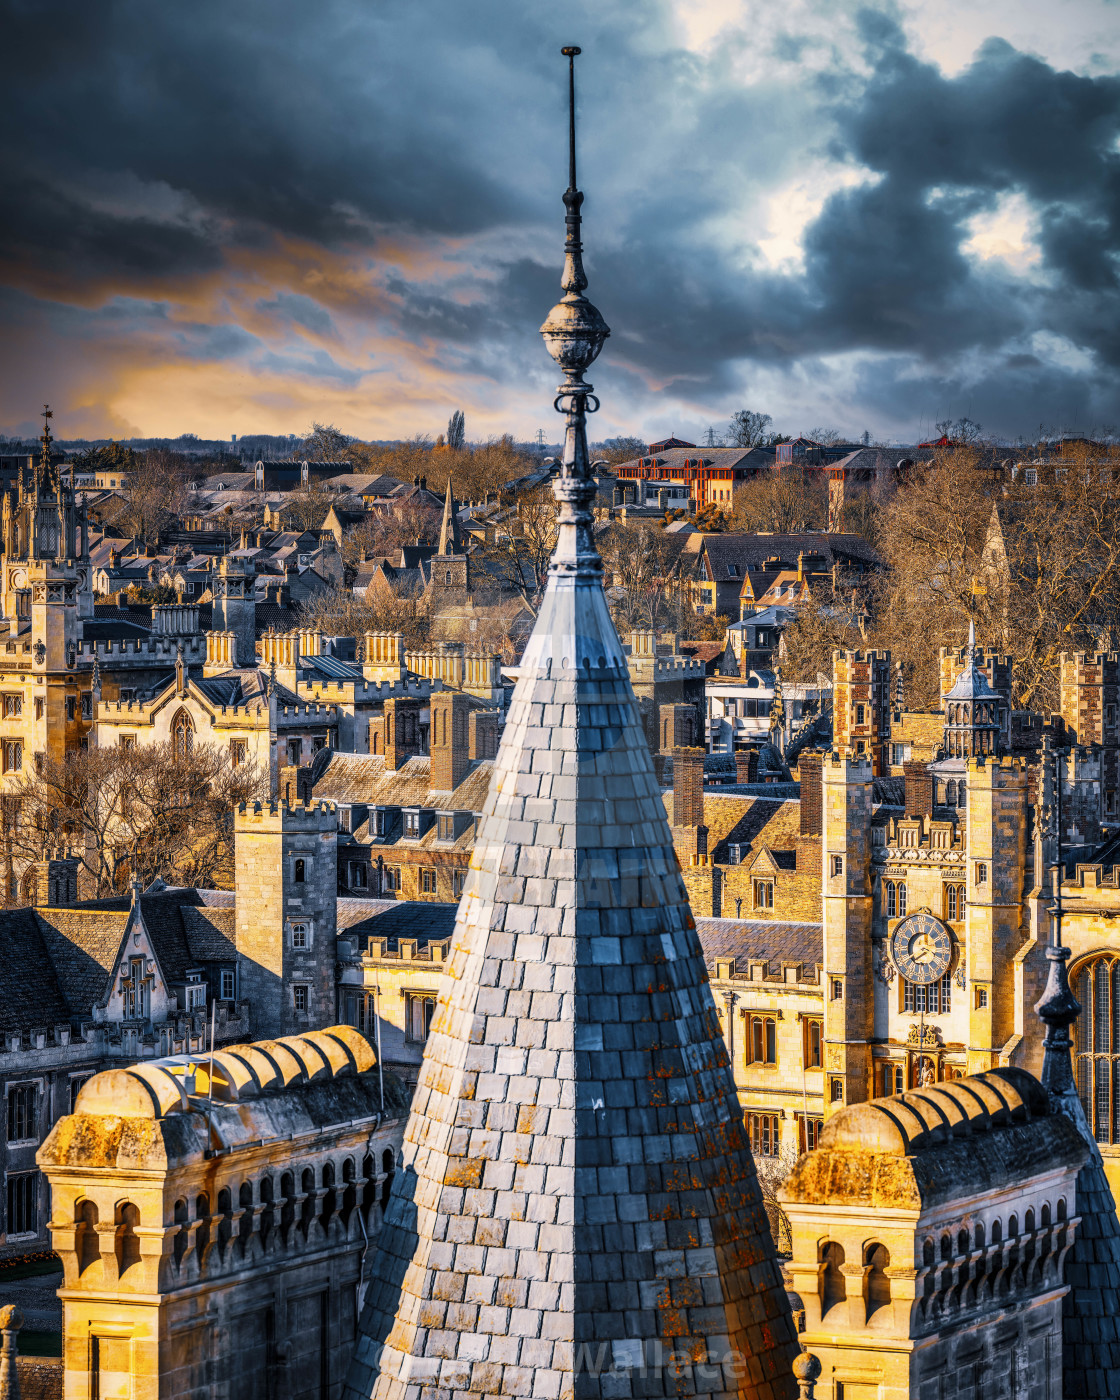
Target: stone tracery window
<point>182,735</point>
<point>1096,984</point>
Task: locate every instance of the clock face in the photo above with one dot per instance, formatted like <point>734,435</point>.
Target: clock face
<point>921,948</point>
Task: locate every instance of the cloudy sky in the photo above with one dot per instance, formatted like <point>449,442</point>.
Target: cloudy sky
<point>230,218</point>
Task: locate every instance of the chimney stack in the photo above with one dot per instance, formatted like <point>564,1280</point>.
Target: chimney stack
<point>746,765</point>
<point>688,787</point>
<point>919,788</point>
<point>400,731</point>
<point>449,740</point>
<point>809,770</point>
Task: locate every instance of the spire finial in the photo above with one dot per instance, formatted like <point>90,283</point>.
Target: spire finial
<point>569,53</point>
<point>971,635</point>
<point>46,440</point>
<point>449,539</point>
<point>1058,1008</point>
<point>574,334</point>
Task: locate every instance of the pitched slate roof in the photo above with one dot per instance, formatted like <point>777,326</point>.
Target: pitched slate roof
<point>751,551</point>
<point>392,919</point>
<point>671,459</point>
<point>244,686</point>
<point>209,934</point>
<point>576,1144</point>
<point>83,945</point>
<point>67,956</point>
<point>355,777</point>
<point>31,993</point>
<point>747,940</point>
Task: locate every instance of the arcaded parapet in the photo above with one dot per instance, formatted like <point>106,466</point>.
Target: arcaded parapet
<point>212,1228</point>
<point>931,1234</point>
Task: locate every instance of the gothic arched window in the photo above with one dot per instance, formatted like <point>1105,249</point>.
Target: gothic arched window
<point>1096,984</point>
<point>182,735</point>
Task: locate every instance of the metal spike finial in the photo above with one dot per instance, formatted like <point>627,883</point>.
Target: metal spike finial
<point>1058,1008</point>
<point>44,472</point>
<point>574,333</point>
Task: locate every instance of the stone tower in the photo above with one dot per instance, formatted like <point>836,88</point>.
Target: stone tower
<point>235,606</point>
<point>1090,708</point>
<point>576,1211</point>
<point>287,888</point>
<point>451,579</point>
<point>861,704</point>
<point>846,788</point>
<point>996,856</point>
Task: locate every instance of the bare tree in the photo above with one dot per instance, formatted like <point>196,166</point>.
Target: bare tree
<point>383,533</point>
<point>1035,561</point>
<point>784,501</point>
<point>523,542</point>
<point>749,429</point>
<point>457,431</point>
<point>642,564</point>
<point>618,449</point>
<point>323,442</point>
<point>155,493</point>
<point>382,609</point>
<point>146,811</point>
<point>474,471</point>
<point>306,510</point>
<point>962,432</point>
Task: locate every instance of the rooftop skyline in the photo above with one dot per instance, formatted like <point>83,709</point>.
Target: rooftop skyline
<point>868,220</point>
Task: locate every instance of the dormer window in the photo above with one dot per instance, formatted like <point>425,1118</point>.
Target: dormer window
<point>412,823</point>
<point>445,826</point>
<point>137,991</point>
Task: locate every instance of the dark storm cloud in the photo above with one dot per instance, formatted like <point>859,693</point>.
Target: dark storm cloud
<point>148,147</point>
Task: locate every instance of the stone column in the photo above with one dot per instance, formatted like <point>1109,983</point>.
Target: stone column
<point>11,1320</point>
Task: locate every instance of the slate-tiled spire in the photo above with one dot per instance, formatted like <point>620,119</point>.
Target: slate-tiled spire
<point>450,541</point>
<point>1091,1308</point>
<point>576,1211</point>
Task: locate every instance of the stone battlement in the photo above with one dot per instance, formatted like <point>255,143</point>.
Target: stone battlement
<point>287,816</point>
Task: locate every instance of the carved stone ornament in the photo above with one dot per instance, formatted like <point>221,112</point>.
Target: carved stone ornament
<point>40,652</point>
<point>883,967</point>
<point>929,1040</point>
